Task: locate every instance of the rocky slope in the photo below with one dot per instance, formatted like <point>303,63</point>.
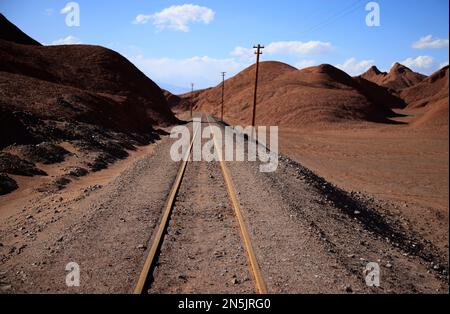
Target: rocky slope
<point>88,96</point>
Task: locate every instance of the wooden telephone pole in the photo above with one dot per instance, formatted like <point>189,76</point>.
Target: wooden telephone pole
<point>223,91</point>
<point>192,95</point>
<point>258,52</point>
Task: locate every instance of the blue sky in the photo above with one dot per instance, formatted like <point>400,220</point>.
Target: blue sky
<point>179,42</point>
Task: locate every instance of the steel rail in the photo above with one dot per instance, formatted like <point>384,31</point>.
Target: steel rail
<point>157,241</point>
<point>259,280</point>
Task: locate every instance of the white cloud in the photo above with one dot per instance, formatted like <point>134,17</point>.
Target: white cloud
<point>427,42</point>
<point>354,67</point>
<point>69,40</point>
<point>203,71</point>
<point>305,64</point>
<point>142,19</point>
<point>419,63</point>
<point>177,17</point>
<point>298,48</point>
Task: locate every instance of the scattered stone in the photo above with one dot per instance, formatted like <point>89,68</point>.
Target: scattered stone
<point>77,172</point>
<point>234,281</point>
<point>348,289</point>
<point>218,254</point>
<point>388,265</point>
<point>183,278</point>
<point>60,239</point>
<point>93,188</point>
<point>141,247</point>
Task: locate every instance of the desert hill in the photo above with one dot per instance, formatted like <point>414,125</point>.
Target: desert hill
<point>12,33</point>
<point>88,96</point>
<point>398,78</point>
<point>80,75</point>
<point>80,83</point>
<point>182,102</point>
<point>291,97</point>
<point>179,103</point>
<point>431,90</point>
<point>431,97</point>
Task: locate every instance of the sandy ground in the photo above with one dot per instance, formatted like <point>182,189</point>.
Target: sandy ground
<point>396,163</point>
<point>309,236</point>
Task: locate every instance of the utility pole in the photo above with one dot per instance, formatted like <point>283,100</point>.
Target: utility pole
<point>258,52</point>
<point>223,91</point>
<point>191,100</point>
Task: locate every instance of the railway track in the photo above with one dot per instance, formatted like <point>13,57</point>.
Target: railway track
<point>145,279</point>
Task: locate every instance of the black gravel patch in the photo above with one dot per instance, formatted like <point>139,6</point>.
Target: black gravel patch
<point>7,184</point>
<point>14,165</point>
<point>101,162</point>
<point>77,172</point>
<point>46,153</point>
<point>360,208</point>
<point>39,138</point>
<point>12,130</point>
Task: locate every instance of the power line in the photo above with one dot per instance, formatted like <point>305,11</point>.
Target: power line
<point>336,16</point>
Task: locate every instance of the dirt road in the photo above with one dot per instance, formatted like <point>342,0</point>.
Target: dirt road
<point>308,235</point>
